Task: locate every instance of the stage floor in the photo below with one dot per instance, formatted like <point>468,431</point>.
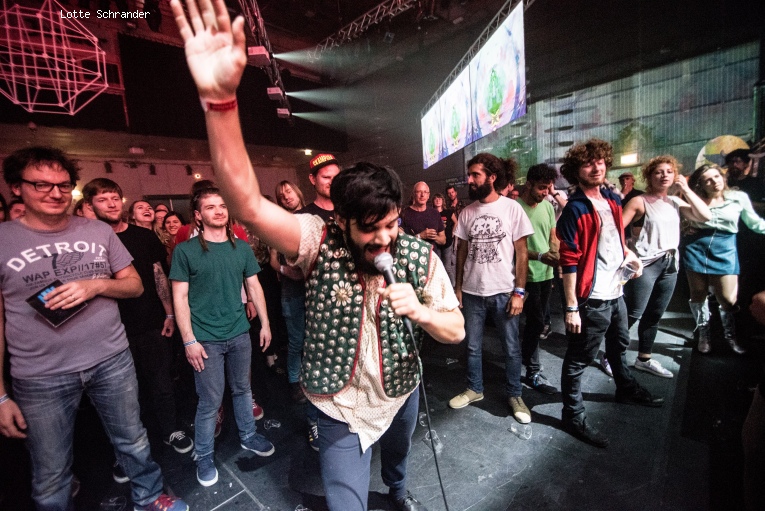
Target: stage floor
<point>686,455</point>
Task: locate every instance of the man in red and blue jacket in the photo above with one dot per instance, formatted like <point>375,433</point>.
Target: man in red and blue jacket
<point>592,256</point>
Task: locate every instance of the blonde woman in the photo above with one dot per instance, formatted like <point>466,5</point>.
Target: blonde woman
<point>648,296</point>
<point>711,258</point>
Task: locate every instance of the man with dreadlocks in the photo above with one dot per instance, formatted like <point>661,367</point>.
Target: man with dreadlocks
<point>207,274</point>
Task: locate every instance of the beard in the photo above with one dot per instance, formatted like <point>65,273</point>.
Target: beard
<point>480,192</point>
<point>106,219</point>
<point>357,253</point>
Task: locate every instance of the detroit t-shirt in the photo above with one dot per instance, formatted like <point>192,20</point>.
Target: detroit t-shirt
<point>30,260</point>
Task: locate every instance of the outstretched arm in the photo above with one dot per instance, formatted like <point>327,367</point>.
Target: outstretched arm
<point>215,53</point>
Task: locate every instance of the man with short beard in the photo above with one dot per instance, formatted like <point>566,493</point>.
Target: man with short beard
<point>543,259</point>
<point>592,253</point>
<point>149,320</point>
<point>360,366</point>
<point>491,232</point>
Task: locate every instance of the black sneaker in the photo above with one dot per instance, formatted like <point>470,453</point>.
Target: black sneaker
<point>313,436</point>
<point>118,474</point>
<point>296,393</point>
<point>537,381</point>
<point>639,396</point>
<point>585,432</point>
<point>180,442</point>
<point>409,503</point>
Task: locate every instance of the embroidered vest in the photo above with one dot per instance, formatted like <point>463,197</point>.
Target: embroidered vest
<point>335,315</point>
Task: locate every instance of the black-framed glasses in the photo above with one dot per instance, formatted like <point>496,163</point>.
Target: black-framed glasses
<point>45,187</point>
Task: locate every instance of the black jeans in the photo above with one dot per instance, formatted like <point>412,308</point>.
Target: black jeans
<point>600,318</point>
<point>152,355</point>
<point>537,296</point>
<point>648,296</point>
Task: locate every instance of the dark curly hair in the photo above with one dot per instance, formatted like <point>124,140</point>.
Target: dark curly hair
<point>366,193</point>
<point>581,154</point>
<point>541,173</point>
<point>505,170</point>
<point>16,162</point>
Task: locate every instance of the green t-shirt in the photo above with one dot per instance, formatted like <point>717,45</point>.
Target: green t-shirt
<point>215,280</point>
<point>543,220</point>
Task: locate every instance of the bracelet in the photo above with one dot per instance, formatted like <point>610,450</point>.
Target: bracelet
<point>519,291</point>
<point>539,256</point>
<point>572,308</point>
<point>187,344</point>
<point>4,398</point>
<point>221,106</point>
<point>169,316</point>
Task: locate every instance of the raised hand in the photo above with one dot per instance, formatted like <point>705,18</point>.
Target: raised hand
<point>215,47</point>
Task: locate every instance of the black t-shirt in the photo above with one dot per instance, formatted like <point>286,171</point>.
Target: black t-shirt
<point>313,209</point>
<point>145,312</point>
<point>414,222</point>
<point>751,186</point>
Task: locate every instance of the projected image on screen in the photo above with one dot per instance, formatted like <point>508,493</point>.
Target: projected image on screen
<point>498,77</point>
<point>432,142</point>
<point>456,115</point>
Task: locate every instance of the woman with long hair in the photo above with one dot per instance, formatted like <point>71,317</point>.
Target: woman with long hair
<point>648,296</point>
<point>711,258</point>
<point>141,214</point>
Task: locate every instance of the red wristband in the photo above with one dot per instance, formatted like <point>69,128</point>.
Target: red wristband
<point>224,106</point>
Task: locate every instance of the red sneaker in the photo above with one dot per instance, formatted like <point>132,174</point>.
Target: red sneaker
<point>218,422</point>
<point>257,411</point>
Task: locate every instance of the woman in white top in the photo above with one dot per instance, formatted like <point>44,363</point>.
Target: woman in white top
<point>710,256</point>
<point>656,245</point>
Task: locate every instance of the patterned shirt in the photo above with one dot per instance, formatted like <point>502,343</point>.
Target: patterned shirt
<point>363,404</point>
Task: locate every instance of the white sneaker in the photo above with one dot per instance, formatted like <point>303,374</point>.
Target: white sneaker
<point>653,367</point>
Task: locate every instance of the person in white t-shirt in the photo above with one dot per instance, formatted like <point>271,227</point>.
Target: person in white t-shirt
<point>490,233</point>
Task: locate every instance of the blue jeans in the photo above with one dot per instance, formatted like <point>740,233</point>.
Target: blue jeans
<point>226,361</point>
<point>345,469</point>
<point>600,318</point>
<point>475,309</point>
<point>293,309</point>
<point>647,298</point>
<point>49,405</point>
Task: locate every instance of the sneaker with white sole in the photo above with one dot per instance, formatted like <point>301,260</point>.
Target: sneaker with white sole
<point>164,503</point>
<point>464,399</point>
<point>520,411</point>
<point>259,445</point>
<point>207,474</point>
<point>118,474</point>
<point>180,442</point>
<point>313,435</point>
<point>652,366</point>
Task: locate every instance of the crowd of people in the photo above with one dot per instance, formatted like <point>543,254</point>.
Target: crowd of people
<point>250,271</point>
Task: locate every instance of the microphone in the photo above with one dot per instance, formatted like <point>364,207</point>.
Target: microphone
<point>384,264</point>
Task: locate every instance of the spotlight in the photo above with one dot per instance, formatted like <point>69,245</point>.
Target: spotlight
<point>308,152</point>
<point>258,56</point>
<point>283,113</point>
<point>107,167</point>
<point>189,170</point>
<point>275,93</point>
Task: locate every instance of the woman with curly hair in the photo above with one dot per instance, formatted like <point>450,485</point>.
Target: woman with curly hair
<point>647,296</point>
<point>711,258</point>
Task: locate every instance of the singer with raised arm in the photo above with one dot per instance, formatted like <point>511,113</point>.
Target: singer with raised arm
<point>359,364</point>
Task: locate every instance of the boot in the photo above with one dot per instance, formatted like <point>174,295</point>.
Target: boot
<point>729,329</point>
<point>700,311</point>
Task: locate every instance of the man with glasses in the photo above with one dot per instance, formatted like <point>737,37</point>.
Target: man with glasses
<point>60,277</point>
<point>420,220</point>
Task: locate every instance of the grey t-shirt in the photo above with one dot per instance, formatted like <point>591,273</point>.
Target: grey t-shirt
<point>30,260</point>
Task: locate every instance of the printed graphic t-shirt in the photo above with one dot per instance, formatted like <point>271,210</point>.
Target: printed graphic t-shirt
<point>31,260</point>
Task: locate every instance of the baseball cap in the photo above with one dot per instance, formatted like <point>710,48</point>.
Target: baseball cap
<point>322,160</point>
<point>626,174</point>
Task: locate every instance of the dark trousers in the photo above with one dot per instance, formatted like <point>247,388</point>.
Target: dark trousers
<point>648,296</point>
<point>152,355</point>
<point>345,469</point>
<point>537,297</point>
<point>600,318</point>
